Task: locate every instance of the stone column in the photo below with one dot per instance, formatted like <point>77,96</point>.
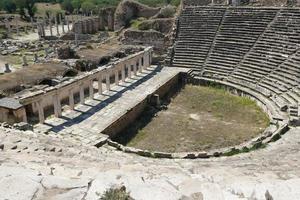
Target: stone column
<point>57,106</point>
<point>57,28</point>
<point>146,60</point>
<point>91,89</point>
<point>39,31</point>
<point>68,24</point>
<point>63,26</point>
<point>140,65</point>
<point>32,24</point>
<point>100,89</point>
<point>25,61</point>
<point>50,27</point>
<point>116,68</point>
<point>76,39</point>
<point>7,25</point>
<point>35,58</point>
<point>85,27</point>
<point>24,115</point>
<point>101,21</point>
<point>71,99</point>
<point>135,68</point>
<point>7,69</point>
<point>110,20</point>
<point>96,24</point>
<point>40,108</point>
<point>123,73</point>
<point>129,70</point>
<point>81,93</point>
<point>107,79</point>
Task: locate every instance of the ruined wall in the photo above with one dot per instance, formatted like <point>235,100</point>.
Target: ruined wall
<point>129,118</point>
<point>146,38</point>
<point>128,10</point>
<point>162,25</point>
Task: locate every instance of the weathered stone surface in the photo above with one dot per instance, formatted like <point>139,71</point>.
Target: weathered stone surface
<point>19,187</point>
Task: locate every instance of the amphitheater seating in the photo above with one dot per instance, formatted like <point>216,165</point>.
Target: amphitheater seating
<point>256,48</point>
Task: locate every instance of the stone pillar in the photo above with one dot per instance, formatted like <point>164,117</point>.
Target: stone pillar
<point>40,108</point>
<point>140,65</point>
<point>32,24</point>
<point>76,39</point>
<point>107,79</point>
<point>68,24</point>
<point>71,99</point>
<point>116,68</point>
<point>35,58</point>
<point>123,73</point>
<point>146,60</point>
<point>91,89</point>
<point>39,31</point>
<point>100,89</point>
<point>135,68</point>
<point>150,57</point>
<point>81,93</point>
<point>50,27</point>
<point>57,106</point>
<point>25,61</point>
<point>80,27</point>
<point>96,24</point>
<point>57,28</point>
<point>110,21</point>
<point>7,25</point>
<point>7,69</point>
<point>85,27</point>
<point>101,21</point>
<point>24,115</point>
<point>129,70</point>
<point>63,26</point>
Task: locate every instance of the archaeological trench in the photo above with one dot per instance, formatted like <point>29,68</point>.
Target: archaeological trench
<point>89,103</point>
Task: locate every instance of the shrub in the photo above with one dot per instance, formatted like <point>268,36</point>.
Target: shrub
<point>116,194</point>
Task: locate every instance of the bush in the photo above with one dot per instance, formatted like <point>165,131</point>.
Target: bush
<point>167,12</point>
<point>116,194</point>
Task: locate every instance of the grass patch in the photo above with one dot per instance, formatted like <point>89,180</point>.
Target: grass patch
<point>116,194</point>
<point>135,23</point>
<point>198,118</point>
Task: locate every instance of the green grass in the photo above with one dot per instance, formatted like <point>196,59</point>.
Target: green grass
<point>136,23</point>
<point>198,118</point>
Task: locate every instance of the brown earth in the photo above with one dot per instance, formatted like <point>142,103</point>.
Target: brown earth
<point>199,118</point>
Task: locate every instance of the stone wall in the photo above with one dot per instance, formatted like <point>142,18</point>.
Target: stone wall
<point>129,118</point>
<point>128,10</point>
<point>146,38</point>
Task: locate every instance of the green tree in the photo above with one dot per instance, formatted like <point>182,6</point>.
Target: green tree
<point>76,4</point>
<point>8,5</point>
<point>26,6</point>
<point>67,5</point>
<point>87,6</point>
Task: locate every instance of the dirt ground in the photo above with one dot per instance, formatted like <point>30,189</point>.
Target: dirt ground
<point>198,118</point>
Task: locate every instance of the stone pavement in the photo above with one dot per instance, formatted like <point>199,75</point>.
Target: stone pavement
<point>40,167</point>
<point>32,36</point>
<point>86,123</point>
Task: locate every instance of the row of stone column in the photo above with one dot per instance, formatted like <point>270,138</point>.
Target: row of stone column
<point>117,70</point>
<point>61,22</point>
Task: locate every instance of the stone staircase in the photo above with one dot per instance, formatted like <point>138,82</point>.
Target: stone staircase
<point>256,48</point>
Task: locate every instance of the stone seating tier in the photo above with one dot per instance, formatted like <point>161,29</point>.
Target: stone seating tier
<point>243,45</point>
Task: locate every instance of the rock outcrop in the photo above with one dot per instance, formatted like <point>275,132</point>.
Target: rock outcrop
<point>128,10</point>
